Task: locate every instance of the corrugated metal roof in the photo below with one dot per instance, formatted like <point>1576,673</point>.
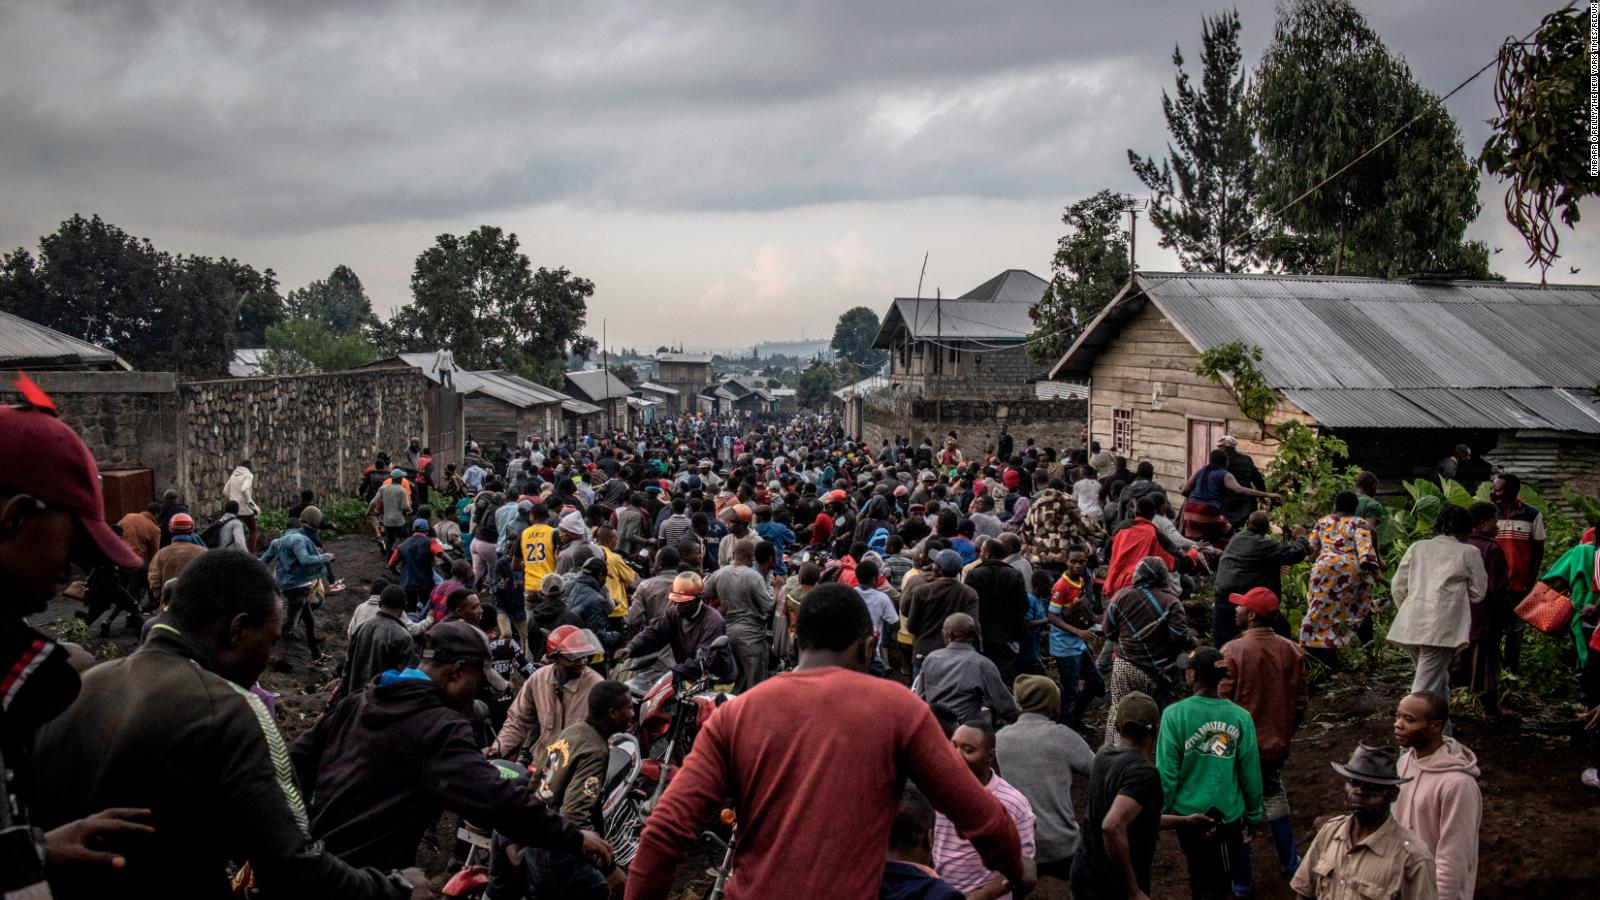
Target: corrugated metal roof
<point>580,408</point>
<point>598,384</point>
<point>1367,352</point>
<point>246,362</point>
<point>957,320</point>
<point>865,386</point>
<point>1010,286</point>
<point>1060,390</point>
<point>684,357</point>
<point>24,343</point>
<point>657,388</point>
<point>513,389</point>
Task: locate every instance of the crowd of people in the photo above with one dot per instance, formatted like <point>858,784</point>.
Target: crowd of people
<point>917,638</point>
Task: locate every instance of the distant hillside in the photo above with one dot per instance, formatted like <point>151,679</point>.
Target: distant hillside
<point>802,349</point>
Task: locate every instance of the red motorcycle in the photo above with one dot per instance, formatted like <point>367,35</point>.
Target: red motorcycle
<point>670,715</point>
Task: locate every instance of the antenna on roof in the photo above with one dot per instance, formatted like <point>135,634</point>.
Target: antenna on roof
<point>1133,206</point>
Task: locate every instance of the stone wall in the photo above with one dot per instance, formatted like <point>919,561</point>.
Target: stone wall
<point>128,419</point>
<point>312,432</point>
<point>1051,423</point>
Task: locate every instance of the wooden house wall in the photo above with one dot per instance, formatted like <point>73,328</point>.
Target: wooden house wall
<point>1149,371</point>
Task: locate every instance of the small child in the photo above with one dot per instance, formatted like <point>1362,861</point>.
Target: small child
<point>1038,597</point>
<point>1071,613</point>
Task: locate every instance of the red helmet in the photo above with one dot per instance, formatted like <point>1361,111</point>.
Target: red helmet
<point>570,640</point>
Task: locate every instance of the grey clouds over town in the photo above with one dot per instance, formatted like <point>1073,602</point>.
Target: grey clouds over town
<point>725,173</point>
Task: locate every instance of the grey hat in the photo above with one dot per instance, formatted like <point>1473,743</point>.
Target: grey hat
<point>948,561</point>
<point>1374,765</point>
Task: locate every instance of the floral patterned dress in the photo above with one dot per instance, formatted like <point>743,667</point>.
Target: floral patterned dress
<point>1341,581</point>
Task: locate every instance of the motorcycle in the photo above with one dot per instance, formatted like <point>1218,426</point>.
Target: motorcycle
<point>623,807</point>
<point>719,875</point>
<point>472,879</point>
<point>670,715</point>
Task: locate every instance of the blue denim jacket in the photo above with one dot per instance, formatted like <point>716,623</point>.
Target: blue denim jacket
<point>296,562</point>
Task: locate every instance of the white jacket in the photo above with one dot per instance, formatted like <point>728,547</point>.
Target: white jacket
<point>1435,585</point>
<point>241,489</point>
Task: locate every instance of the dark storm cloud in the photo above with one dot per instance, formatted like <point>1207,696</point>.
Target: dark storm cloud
<point>279,117</point>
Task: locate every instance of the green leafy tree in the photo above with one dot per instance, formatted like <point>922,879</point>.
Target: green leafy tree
<point>627,373</point>
<point>1328,90</point>
<point>478,296</point>
<point>1205,190</point>
<point>853,336</point>
<point>260,304</point>
<point>94,281</point>
<point>815,386</point>
<point>1540,142</point>
<point>1091,265</point>
<point>196,318</point>
<point>338,302</point>
<point>297,345</point>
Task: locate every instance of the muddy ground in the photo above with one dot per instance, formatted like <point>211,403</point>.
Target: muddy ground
<point>1540,832</point>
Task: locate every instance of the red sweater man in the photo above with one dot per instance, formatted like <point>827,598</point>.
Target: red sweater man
<point>816,759</point>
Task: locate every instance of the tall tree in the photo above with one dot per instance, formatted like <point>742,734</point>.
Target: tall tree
<point>478,296</point>
<point>1091,265</point>
<point>260,304</point>
<point>338,302</point>
<point>1205,189</point>
<point>94,281</point>
<point>853,336</point>
<point>1328,90</point>
<point>1540,142</point>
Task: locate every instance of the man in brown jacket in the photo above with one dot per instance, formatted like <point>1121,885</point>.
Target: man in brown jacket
<point>553,698</point>
<point>170,561</point>
<point>142,533</point>
<point>1267,676</point>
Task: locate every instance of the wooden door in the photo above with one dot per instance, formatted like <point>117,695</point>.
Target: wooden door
<point>1203,437</point>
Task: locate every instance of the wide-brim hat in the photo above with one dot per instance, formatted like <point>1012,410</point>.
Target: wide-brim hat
<point>1374,765</point>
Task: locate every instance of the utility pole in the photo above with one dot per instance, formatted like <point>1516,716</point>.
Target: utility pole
<point>605,366</point>
<point>922,273</point>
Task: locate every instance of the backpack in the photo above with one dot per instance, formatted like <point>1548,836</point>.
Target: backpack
<point>212,535</point>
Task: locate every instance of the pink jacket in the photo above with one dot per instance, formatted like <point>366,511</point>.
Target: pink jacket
<point>1443,806</point>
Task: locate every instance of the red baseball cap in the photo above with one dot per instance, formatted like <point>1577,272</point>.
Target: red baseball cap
<point>1259,600</point>
<point>56,469</point>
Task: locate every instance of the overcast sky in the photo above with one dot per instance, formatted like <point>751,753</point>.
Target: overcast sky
<point>724,173</point>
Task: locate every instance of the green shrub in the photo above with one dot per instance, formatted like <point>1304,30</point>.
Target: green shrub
<point>345,517</point>
<point>272,522</point>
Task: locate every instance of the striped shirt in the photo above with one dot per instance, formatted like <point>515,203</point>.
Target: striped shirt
<point>957,861</point>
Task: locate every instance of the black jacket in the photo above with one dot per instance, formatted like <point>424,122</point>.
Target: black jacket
<point>1002,602</point>
<point>1257,560</point>
<point>381,765</point>
<point>157,730</point>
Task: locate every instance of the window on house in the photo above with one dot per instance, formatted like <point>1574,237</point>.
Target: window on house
<point>1122,432</point>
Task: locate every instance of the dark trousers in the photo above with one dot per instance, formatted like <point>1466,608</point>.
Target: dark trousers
<point>544,874</point>
<point>1589,681</point>
<point>417,599</point>
<point>249,531</point>
<point>1224,627</point>
<point>298,601</point>
<point>1073,700</point>
<point>392,535</point>
<point>1004,659</point>
<point>1211,859</point>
